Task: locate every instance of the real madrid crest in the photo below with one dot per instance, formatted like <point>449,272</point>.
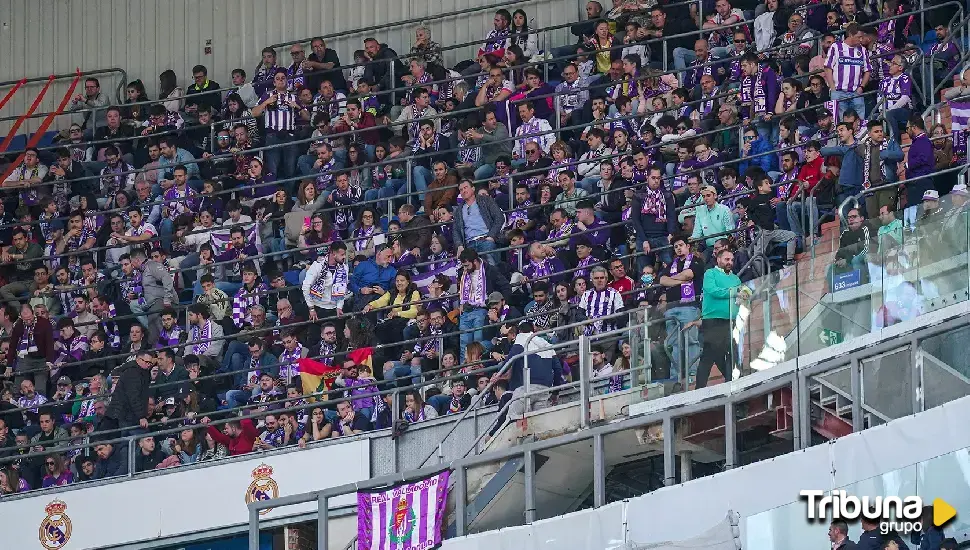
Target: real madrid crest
<point>55,530</point>
<point>263,487</point>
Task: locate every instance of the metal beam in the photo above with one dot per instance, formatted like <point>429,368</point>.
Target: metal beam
<point>855,384</point>
<point>599,471</point>
<point>529,469</point>
<point>730,437</point>
<point>670,476</point>
<point>323,522</point>
<point>461,500</point>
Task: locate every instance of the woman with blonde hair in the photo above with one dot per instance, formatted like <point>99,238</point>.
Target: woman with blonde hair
<point>562,159</point>
<point>55,471</point>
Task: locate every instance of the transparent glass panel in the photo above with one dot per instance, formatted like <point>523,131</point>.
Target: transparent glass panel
<point>887,387</point>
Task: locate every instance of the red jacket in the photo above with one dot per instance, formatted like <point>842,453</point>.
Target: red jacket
<point>811,174</point>
<point>367,120</point>
<point>241,444</point>
<point>43,337</point>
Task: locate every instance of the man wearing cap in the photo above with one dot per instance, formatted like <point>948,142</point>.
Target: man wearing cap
<point>712,218</point>
<point>826,131</point>
<point>955,218</point>
<point>499,311</point>
<point>584,256</point>
<point>930,218</point>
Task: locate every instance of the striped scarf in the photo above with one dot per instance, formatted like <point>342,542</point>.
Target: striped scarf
<point>290,363</point>
<point>472,285</point>
<point>654,202</point>
<point>242,301</point>
<point>201,333</point>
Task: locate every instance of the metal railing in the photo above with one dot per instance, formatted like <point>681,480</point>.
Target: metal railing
<point>796,378</point>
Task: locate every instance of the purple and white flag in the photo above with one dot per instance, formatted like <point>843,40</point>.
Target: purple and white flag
<point>407,516</point>
<point>220,238</point>
<point>448,268</point>
<point>960,120</point>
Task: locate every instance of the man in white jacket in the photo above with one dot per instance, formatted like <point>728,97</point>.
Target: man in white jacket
<point>325,284</point>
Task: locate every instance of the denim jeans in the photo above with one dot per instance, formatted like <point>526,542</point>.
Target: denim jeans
<point>165,229</point>
<point>237,398</point>
<point>440,402</point>
<point>304,164</point>
<point>281,159</point>
<point>795,209</point>
<point>849,100</point>
<point>400,369</point>
<point>421,176</point>
<point>484,172</point>
<point>659,246</point>
<point>236,356</point>
<point>677,318</point>
<point>469,320</point>
<point>484,247</point>
<point>590,184</point>
<point>897,118</point>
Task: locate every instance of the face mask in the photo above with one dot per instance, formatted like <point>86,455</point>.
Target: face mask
<point>647,278</point>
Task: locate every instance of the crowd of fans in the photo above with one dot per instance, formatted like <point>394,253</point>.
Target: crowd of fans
<point>168,266</point>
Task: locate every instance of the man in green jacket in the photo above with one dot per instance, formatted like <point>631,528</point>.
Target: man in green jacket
<point>718,308</point>
<point>713,218</point>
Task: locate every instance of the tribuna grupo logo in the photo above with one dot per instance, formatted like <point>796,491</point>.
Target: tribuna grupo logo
<point>893,514</point>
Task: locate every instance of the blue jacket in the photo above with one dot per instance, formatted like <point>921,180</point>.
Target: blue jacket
<point>768,163</point>
<point>368,273</point>
<point>850,174</point>
<point>267,360</point>
<point>544,366</point>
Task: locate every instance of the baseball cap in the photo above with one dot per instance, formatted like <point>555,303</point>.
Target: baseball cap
<point>169,401</point>
<point>63,380</point>
<point>931,195</point>
<point>960,189</point>
<point>684,214</point>
<point>495,297</point>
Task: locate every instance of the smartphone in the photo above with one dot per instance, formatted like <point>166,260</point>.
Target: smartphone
<point>306,223</point>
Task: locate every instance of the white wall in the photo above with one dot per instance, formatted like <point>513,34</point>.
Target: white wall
<point>146,37</point>
<point>185,501</point>
<point>925,454</point>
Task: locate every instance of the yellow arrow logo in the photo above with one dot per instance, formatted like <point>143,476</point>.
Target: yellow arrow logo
<point>942,512</point>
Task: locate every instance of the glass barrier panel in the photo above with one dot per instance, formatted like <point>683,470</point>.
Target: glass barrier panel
<point>887,387</point>
<point>945,363</point>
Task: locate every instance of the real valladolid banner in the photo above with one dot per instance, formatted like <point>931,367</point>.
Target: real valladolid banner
<point>406,516</point>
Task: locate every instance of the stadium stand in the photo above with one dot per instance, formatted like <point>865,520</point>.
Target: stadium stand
<point>319,251</point>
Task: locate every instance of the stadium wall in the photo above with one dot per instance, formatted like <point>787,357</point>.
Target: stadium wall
<point>927,454</point>
<point>146,37</point>
<point>188,501</point>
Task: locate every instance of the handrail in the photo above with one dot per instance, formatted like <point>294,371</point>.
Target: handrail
<point>119,96</point>
<point>504,410</point>
<point>256,415</point>
<point>405,23</point>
